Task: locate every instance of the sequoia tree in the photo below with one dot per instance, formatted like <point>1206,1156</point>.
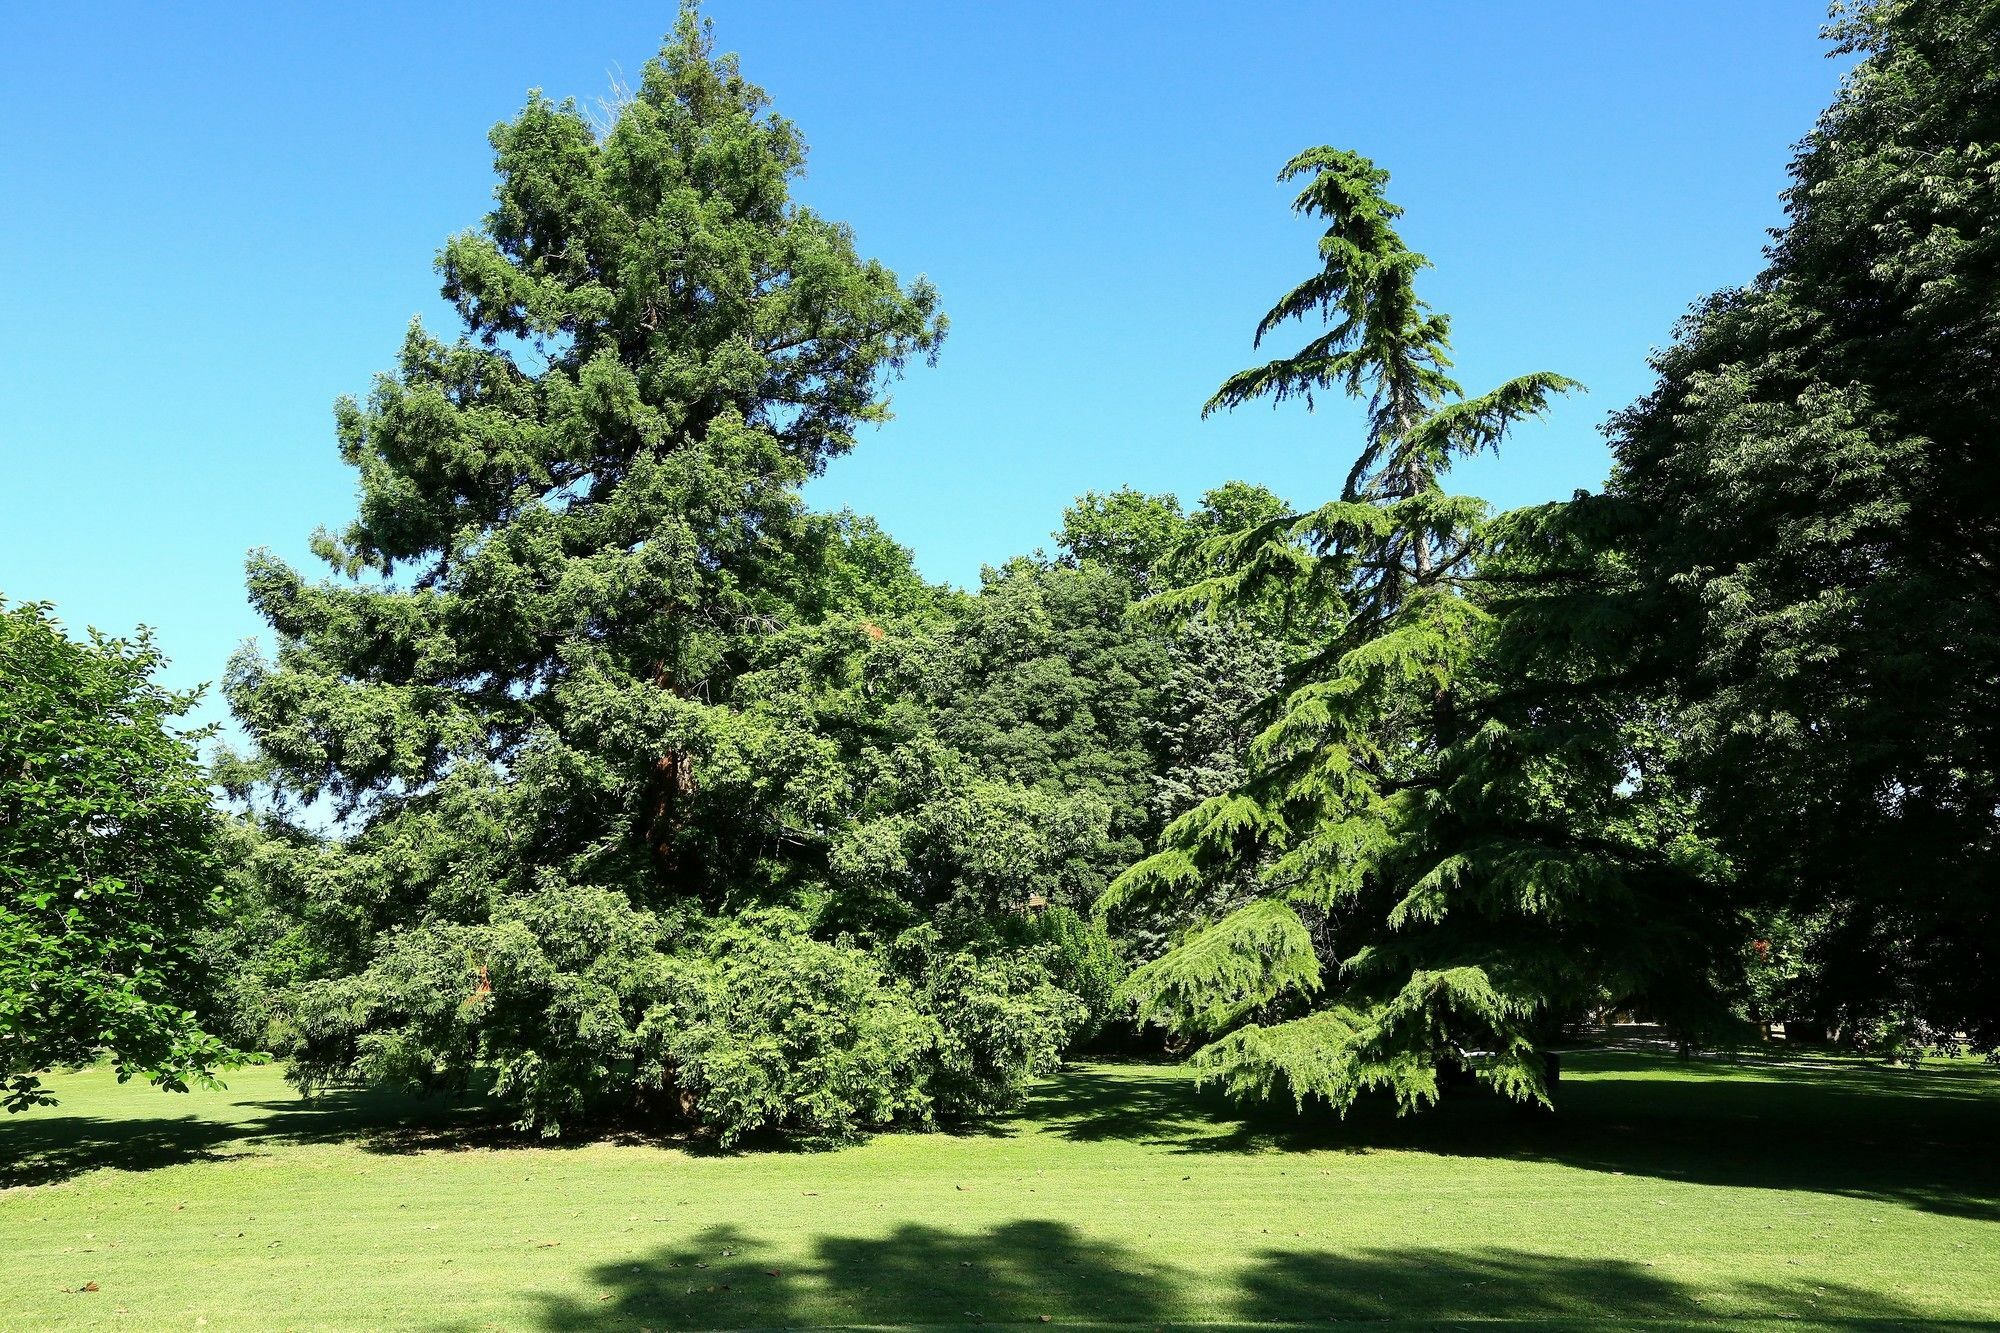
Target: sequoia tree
<point>522,690</point>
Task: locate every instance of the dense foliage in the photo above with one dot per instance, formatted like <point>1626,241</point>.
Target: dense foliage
<point>1809,506</point>
<point>589,689</point>
<point>1346,962</point>
<point>108,862</point>
<point>599,768</point>
<point>1717,743</point>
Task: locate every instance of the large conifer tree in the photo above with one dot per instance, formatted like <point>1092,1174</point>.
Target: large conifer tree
<point>1350,965</point>
<point>579,527</point>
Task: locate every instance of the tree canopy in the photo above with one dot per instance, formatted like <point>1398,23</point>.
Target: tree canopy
<point>1808,504</point>
<point>596,766</point>
<point>109,862</point>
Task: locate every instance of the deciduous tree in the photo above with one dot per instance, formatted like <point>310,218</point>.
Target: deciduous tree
<point>1809,506</point>
<point>108,864</point>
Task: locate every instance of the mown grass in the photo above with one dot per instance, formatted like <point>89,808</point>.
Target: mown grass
<point>1737,1191</point>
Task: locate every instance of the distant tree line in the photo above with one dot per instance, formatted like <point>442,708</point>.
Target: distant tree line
<point>597,770</point>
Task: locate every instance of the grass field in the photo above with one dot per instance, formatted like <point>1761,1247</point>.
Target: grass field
<point>1720,1191</point>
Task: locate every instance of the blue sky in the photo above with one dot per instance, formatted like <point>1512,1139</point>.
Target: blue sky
<point>218,218</point>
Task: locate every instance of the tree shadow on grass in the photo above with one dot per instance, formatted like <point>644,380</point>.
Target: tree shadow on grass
<point>1491,1283</point>
<point>47,1147</point>
<point>1015,1273</point>
<point>1039,1271</point>
<point>51,1149</point>
<point>1921,1137</point>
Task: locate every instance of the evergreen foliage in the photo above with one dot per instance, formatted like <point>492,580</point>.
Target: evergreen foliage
<point>1352,964</point>
<point>592,695</point>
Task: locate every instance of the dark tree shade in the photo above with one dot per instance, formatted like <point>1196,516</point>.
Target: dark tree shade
<point>1811,503</point>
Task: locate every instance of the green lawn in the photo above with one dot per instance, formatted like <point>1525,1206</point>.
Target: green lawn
<point>1744,1191</point>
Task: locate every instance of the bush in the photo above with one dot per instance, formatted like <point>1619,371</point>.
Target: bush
<point>545,998</point>
<point>776,1030</point>
<point>577,1005</point>
<point>1003,1022</point>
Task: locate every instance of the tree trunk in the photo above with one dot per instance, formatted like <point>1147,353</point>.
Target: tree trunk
<point>668,791</point>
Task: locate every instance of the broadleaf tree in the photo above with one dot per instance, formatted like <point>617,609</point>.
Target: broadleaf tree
<point>1806,511</point>
<point>110,862</point>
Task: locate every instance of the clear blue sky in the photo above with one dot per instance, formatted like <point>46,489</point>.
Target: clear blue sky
<point>218,218</point>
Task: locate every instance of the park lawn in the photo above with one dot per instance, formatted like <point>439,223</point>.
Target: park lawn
<point>1739,1190</point>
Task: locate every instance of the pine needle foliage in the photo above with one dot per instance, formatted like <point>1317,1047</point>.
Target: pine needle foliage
<point>1355,966</point>
<point>585,681</point>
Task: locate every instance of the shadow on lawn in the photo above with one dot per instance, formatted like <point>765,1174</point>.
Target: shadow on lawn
<point>915,1275</point>
<point>1489,1283</point>
<point>48,1147</point>
<point>1035,1271</point>
<point>1921,1137</point>
<point>1917,1137</point>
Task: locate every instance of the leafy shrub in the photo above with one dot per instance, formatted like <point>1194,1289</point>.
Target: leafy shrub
<point>1082,959</point>
<point>1003,1019</point>
<point>576,1004</point>
<point>1004,1023</point>
<point>546,997</point>
<point>770,1029</point>
<point>776,1030</point>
